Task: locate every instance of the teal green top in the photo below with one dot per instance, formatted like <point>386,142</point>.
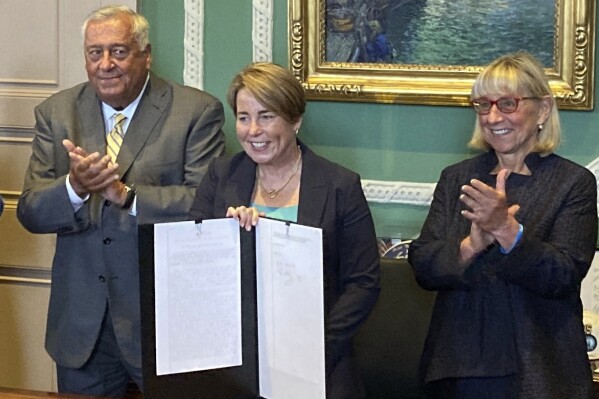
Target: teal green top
<point>288,213</point>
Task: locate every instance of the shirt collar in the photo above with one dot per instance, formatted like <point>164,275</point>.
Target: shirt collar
<point>532,160</point>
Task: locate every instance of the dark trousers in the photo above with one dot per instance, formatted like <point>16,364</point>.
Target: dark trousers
<point>473,388</point>
<point>106,373</point>
<point>345,381</point>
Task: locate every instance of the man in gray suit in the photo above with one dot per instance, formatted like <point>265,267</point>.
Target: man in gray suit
<point>94,203</point>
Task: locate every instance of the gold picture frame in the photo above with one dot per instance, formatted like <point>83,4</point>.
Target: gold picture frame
<point>571,77</point>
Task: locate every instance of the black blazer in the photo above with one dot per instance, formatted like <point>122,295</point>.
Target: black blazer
<point>520,313</point>
<point>331,198</point>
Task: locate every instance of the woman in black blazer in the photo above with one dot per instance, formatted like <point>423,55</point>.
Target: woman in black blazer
<point>279,177</point>
<point>509,237</point>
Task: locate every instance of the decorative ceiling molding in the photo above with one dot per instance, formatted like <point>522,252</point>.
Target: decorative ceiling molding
<point>193,43</point>
<point>262,25</point>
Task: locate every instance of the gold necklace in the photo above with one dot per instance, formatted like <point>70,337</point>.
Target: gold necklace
<point>271,192</point>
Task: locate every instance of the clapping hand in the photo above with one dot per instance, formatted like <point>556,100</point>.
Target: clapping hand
<point>492,219</point>
<point>94,173</point>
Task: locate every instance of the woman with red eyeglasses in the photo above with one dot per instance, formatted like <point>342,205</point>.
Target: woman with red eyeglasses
<point>509,237</point>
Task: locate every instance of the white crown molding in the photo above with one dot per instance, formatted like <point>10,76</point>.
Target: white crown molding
<point>409,193</point>
<point>193,44</point>
<point>398,192</point>
<point>262,25</point>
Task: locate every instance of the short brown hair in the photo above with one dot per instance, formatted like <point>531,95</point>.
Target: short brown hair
<point>273,86</point>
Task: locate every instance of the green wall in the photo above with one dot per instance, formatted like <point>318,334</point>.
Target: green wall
<point>379,141</point>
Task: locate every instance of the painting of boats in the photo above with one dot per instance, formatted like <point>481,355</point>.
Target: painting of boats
<point>447,32</point>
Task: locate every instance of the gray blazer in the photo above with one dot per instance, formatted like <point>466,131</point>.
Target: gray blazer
<point>172,136</point>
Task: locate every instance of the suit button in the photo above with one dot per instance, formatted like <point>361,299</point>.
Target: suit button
<point>107,203</point>
<point>106,241</point>
<point>102,279</point>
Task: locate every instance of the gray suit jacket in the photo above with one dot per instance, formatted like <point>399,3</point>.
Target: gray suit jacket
<point>173,134</point>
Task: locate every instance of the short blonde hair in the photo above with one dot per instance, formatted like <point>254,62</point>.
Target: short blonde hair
<point>140,28</point>
<point>273,86</point>
<point>517,74</point>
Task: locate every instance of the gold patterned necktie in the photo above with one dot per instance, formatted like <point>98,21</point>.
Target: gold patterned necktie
<point>114,140</point>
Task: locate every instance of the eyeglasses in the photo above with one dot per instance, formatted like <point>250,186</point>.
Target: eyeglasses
<point>507,105</point>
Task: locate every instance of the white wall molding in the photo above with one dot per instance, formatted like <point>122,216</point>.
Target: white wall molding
<point>262,25</point>
<point>193,41</point>
<point>398,192</point>
<point>193,44</point>
<point>410,193</point>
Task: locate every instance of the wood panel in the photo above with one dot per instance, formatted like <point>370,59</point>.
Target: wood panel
<point>42,52</point>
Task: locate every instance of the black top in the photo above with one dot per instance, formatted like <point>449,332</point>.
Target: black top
<point>520,313</point>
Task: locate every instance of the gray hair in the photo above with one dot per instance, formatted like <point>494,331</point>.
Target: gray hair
<point>140,28</point>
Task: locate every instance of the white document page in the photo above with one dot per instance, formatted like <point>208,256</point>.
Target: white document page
<point>198,295</point>
<point>290,311</point>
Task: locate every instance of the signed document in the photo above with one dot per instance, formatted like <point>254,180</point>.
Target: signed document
<point>197,295</point>
<point>290,310</point>
<point>198,303</point>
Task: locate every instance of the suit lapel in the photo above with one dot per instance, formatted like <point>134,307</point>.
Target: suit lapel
<point>243,179</point>
<point>313,190</point>
<point>152,106</point>
<point>92,137</point>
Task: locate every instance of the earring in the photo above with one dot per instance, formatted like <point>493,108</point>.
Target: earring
<point>539,127</point>
<point>296,131</point>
